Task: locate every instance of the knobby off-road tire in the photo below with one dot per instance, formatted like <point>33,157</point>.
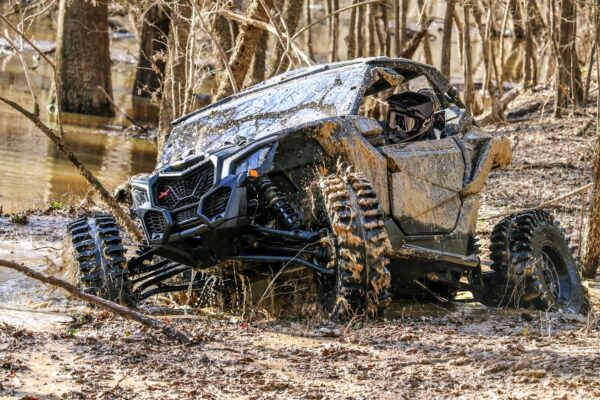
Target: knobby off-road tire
<point>362,281</point>
<point>534,265</point>
<point>101,258</point>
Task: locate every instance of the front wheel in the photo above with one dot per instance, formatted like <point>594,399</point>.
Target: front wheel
<point>100,257</point>
<point>346,204</point>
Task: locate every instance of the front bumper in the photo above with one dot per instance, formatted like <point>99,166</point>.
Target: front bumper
<point>194,199</point>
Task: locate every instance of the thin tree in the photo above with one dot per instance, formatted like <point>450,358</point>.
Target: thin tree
<point>245,46</point>
<point>447,38</point>
<point>83,58</point>
<point>176,96</point>
<point>569,87</point>
<point>279,61</point>
<point>467,62</point>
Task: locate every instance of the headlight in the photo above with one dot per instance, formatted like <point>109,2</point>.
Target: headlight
<point>139,196</point>
<point>253,161</point>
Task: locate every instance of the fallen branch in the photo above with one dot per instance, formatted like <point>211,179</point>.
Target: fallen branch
<point>117,309</point>
<point>546,204</point>
<point>106,197</point>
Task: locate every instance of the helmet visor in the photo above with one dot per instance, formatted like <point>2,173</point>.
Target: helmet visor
<point>403,123</point>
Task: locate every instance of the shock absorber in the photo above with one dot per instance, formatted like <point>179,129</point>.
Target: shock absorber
<point>274,200</point>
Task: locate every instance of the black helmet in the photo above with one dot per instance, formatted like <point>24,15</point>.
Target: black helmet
<point>410,115</point>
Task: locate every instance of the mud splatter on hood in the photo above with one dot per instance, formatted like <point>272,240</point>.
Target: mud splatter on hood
<point>266,110</point>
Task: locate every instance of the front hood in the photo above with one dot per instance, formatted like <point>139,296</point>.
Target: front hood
<point>265,111</point>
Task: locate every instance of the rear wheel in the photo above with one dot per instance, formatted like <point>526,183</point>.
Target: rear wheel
<point>534,264</point>
<point>100,257</point>
<point>349,209</point>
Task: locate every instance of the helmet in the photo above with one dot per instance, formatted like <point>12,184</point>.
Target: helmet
<point>410,115</point>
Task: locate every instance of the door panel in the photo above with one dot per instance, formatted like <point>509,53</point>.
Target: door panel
<point>426,177</point>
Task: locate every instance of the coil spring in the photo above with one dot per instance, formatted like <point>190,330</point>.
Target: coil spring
<point>274,200</point>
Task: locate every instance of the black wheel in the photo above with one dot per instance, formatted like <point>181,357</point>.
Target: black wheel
<point>349,209</point>
<point>532,258</point>
<point>100,257</point>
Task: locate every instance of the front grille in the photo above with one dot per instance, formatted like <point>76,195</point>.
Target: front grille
<point>172,193</point>
<point>216,203</point>
<point>155,223</point>
<point>186,215</point>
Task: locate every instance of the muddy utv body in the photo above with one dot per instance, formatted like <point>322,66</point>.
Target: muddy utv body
<point>295,172</point>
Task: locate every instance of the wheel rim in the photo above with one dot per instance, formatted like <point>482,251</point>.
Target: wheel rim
<point>555,273</point>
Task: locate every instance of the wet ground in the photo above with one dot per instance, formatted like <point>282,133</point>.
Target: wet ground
<point>54,347</point>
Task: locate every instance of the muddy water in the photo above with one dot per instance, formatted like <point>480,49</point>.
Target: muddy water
<point>32,172</point>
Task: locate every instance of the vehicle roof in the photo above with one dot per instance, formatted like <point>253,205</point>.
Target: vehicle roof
<point>315,70</point>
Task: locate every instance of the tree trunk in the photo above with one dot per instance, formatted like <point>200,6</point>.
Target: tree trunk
<point>569,88</point>
<point>279,61</point>
<point>258,67</point>
<point>246,44</point>
<point>426,45</point>
<point>447,38</point>
<point>351,38</point>
<point>83,58</point>
<point>151,65</point>
<point>307,15</point>
<point>404,25</point>
<point>468,94</point>
<point>223,35</point>
<point>591,261</point>
<point>176,97</point>
<point>335,30</point>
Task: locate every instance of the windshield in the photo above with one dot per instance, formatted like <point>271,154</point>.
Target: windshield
<point>267,111</point>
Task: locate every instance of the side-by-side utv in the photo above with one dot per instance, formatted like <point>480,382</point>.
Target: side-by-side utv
<point>293,173</point>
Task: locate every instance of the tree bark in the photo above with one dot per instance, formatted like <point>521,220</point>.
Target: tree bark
<point>426,45</point>
<point>176,95</point>
<point>447,38</point>
<point>246,44</point>
<point>279,61</point>
<point>258,68</point>
<point>591,260</point>
<point>467,64</point>
<point>351,38</point>
<point>153,47</point>
<point>308,16</point>
<point>569,88</point>
<point>83,58</point>
<point>114,308</point>
<point>223,35</point>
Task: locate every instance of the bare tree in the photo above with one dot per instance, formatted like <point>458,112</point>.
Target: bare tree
<point>447,38</point>
<point>246,44</point>
<point>467,64</point>
<point>569,88</point>
<point>153,48</point>
<point>279,61</point>
<point>83,58</point>
<point>176,95</point>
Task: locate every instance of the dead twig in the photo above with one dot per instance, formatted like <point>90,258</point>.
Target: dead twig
<point>117,309</point>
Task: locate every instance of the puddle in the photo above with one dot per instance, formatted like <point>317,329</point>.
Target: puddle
<point>32,172</point>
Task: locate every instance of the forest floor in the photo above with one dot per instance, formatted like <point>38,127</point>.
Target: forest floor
<point>52,347</point>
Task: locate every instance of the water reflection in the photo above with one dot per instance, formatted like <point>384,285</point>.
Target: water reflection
<point>32,171</point>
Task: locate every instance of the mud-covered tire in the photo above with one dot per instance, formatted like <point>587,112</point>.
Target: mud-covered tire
<point>100,257</point>
<point>361,284</point>
<point>534,265</point>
